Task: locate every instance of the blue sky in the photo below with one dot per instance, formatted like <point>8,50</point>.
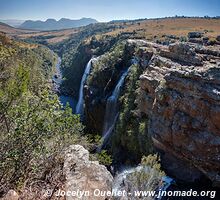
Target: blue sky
<point>105,10</point>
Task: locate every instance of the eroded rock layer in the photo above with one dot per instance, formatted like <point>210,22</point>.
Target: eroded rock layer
<point>180,93</point>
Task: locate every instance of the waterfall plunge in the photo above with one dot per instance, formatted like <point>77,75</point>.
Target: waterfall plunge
<point>80,104</point>
<point>111,112</point>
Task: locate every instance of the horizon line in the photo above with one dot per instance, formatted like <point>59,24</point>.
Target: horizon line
<point>133,19</point>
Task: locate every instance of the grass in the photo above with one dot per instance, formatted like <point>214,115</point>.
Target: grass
<point>149,29</point>
<point>173,26</point>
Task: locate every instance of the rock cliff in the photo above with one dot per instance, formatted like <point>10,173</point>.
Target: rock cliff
<point>177,99</point>
<point>180,94</point>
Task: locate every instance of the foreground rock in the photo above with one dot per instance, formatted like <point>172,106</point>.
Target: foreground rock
<point>180,93</point>
<point>11,195</point>
<point>85,175</point>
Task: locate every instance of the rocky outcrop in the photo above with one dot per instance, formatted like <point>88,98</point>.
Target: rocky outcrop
<point>179,96</point>
<point>180,93</point>
<point>83,175</point>
<point>11,195</point>
<point>195,34</point>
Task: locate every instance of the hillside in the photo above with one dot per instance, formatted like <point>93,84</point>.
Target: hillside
<point>52,24</point>
<point>149,108</point>
<point>12,22</point>
<point>156,28</point>
<point>11,30</point>
<point>28,108</point>
<point>151,29</point>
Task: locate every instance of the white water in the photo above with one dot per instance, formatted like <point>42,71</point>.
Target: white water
<point>111,112</point>
<point>80,104</point>
<point>122,182</point>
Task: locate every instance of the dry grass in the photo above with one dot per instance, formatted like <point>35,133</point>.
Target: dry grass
<point>57,36</point>
<point>13,31</point>
<point>147,29</point>
<point>172,26</point>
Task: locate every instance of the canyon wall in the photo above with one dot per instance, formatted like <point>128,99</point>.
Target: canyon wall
<point>174,94</point>
<point>180,93</point>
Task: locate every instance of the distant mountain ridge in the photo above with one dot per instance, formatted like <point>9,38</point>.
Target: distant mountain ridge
<point>12,22</point>
<point>52,24</point>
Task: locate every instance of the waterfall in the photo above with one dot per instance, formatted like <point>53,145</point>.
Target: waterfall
<point>111,112</point>
<point>80,104</point>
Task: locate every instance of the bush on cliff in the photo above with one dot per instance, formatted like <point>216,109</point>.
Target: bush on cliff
<point>149,176</point>
<point>131,135</point>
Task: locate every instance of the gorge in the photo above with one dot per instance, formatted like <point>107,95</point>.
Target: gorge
<point>147,107</point>
<point>57,82</point>
<point>164,68</point>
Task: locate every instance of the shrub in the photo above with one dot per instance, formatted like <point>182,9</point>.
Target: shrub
<point>104,158</point>
<point>148,175</point>
<point>39,130</point>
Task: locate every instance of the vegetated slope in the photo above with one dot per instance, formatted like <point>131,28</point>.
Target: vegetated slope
<point>33,125</point>
<point>151,29</point>
<point>52,24</point>
<point>200,52</point>
<point>164,31</point>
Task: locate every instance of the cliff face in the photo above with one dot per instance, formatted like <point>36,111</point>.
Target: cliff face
<point>175,101</point>
<point>104,76</point>
<point>180,94</point>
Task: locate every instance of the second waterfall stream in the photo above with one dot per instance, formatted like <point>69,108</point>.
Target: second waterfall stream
<point>111,112</point>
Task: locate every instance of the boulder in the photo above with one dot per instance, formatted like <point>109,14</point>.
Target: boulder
<point>11,195</point>
<point>195,35</point>
<point>85,175</point>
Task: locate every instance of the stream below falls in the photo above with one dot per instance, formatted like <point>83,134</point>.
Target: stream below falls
<point>57,81</point>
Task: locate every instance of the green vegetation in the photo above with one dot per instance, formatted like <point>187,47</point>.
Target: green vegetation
<point>34,128</point>
<point>106,71</point>
<point>104,158</point>
<point>131,136</point>
<point>76,58</point>
<point>149,177</point>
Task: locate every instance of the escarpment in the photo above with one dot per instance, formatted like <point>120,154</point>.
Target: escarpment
<point>171,96</point>
<point>180,93</point>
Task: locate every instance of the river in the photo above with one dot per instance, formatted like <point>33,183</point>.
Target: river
<point>57,81</point>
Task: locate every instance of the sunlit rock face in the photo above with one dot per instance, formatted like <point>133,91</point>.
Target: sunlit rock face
<point>180,93</point>
<point>84,175</point>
